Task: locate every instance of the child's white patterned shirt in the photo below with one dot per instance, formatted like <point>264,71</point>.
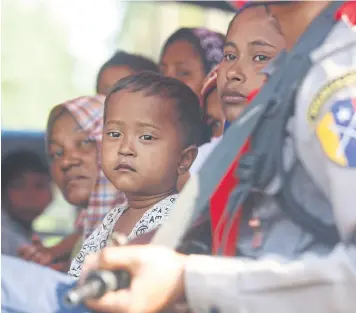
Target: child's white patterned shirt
<point>150,220</point>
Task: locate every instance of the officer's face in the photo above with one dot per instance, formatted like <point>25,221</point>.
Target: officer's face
<point>252,41</point>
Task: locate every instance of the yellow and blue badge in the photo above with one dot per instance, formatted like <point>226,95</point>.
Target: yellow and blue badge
<point>337,133</point>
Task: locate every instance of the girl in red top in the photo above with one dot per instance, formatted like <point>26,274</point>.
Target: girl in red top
<point>252,41</point>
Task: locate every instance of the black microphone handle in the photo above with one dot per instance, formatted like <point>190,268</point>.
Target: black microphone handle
<point>96,285</point>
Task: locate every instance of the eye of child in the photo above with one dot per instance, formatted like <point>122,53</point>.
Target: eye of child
<point>114,134</point>
<point>229,57</point>
<point>146,137</point>
<point>261,58</point>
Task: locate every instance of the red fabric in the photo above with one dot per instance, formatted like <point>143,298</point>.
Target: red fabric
<point>347,11</point>
<point>238,4</point>
<point>220,198</point>
<point>219,201</point>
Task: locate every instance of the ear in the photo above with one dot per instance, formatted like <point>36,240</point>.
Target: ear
<point>188,156</point>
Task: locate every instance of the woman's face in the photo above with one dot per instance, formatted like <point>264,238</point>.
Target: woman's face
<point>74,162</point>
<point>252,41</point>
<point>214,113</point>
<point>181,61</point>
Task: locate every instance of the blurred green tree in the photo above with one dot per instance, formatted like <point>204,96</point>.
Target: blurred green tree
<point>36,66</point>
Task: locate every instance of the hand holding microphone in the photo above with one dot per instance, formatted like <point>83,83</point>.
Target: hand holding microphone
<point>154,274</point>
<point>97,283</point>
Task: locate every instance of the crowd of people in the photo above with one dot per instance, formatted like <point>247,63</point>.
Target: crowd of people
<point>122,157</point>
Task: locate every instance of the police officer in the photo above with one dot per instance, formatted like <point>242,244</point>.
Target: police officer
<point>306,261</point>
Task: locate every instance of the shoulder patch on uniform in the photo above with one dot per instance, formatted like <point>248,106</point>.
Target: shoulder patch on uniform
<point>327,92</point>
<point>337,132</point>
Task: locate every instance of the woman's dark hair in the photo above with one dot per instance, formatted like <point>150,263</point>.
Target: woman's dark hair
<point>19,162</point>
<point>186,101</point>
<point>208,44</point>
<point>137,63</point>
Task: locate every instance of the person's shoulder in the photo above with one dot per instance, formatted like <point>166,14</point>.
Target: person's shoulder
<point>325,103</point>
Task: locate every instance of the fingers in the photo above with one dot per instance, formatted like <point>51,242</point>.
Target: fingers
<point>31,253</point>
<point>27,252</point>
<point>112,302</point>
<point>125,257</point>
<point>36,240</point>
<point>91,263</point>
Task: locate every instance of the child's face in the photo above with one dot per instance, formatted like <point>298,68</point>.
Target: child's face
<point>182,62</point>
<point>142,147</point>
<point>110,76</point>
<point>74,162</point>
<point>252,41</point>
<point>28,196</point>
<point>214,113</point>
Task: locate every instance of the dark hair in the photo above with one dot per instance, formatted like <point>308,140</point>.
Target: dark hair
<point>19,162</point>
<point>136,62</point>
<point>187,34</point>
<point>154,84</point>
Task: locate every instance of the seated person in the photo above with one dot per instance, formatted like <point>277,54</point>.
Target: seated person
<point>74,130</point>
<point>189,54</point>
<point>214,118</point>
<point>152,126</point>
<point>25,194</point>
<point>119,66</point>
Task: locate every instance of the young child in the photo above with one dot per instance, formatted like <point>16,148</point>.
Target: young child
<point>151,129</point>
<point>119,66</point>
<point>26,192</point>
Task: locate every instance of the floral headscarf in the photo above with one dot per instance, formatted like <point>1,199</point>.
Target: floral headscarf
<point>88,113</point>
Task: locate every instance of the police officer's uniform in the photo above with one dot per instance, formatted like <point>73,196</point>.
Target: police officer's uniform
<point>301,268</point>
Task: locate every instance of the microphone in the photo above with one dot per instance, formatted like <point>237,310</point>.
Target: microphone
<point>96,285</point>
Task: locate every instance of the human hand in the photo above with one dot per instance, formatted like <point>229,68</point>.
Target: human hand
<point>157,278</point>
<point>36,252</point>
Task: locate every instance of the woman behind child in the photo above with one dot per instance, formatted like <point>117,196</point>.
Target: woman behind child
<point>252,41</point>
<point>151,130</point>
<point>189,54</point>
<point>119,66</point>
<point>25,194</point>
<point>74,134</point>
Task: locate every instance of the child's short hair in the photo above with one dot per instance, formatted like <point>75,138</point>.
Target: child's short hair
<point>18,162</point>
<point>154,84</point>
<point>136,62</point>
